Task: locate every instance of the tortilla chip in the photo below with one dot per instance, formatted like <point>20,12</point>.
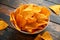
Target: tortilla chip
<point>33,8</point>
<point>20,20</point>
<point>12,19</point>
<point>56,9</point>
<point>45,11</point>
<point>3,25</point>
<point>47,36</point>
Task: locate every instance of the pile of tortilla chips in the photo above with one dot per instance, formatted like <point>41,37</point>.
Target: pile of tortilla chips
<point>30,17</point>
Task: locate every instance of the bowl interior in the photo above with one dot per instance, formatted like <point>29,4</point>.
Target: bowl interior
<point>28,32</point>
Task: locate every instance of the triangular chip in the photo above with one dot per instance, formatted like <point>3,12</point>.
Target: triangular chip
<point>3,25</point>
<point>33,8</point>
<point>12,19</point>
<point>45,11</point>
<point>47,36</point>
<point>56,9</point>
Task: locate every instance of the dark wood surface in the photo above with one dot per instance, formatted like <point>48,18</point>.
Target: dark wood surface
<point>14,4</point>
<point>12,34</point>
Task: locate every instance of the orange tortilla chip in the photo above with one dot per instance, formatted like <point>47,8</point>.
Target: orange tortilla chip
<point>12,19</point>
<point>33,8</point>
<point>20,20</point>
<point>47,36</point>
<point>45,11</point>
<point>3,24</point>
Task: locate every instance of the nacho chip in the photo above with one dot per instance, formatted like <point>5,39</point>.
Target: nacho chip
<point>27,14</point>
<point>47,36</point>
<point>56,9</point>
<point>3,25</point>
<point>31,20</point>
<point>33,8</point>
<point>20,20</point>
<point>12,19</point>
<point>20,8</point>
<point>45,11</point>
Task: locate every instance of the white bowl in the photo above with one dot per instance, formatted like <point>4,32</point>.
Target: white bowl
<point>34,32</point>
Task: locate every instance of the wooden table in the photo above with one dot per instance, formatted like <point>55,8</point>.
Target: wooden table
<point>12,34</point>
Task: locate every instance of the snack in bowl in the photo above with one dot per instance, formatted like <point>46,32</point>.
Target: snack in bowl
<point>30,18</point>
